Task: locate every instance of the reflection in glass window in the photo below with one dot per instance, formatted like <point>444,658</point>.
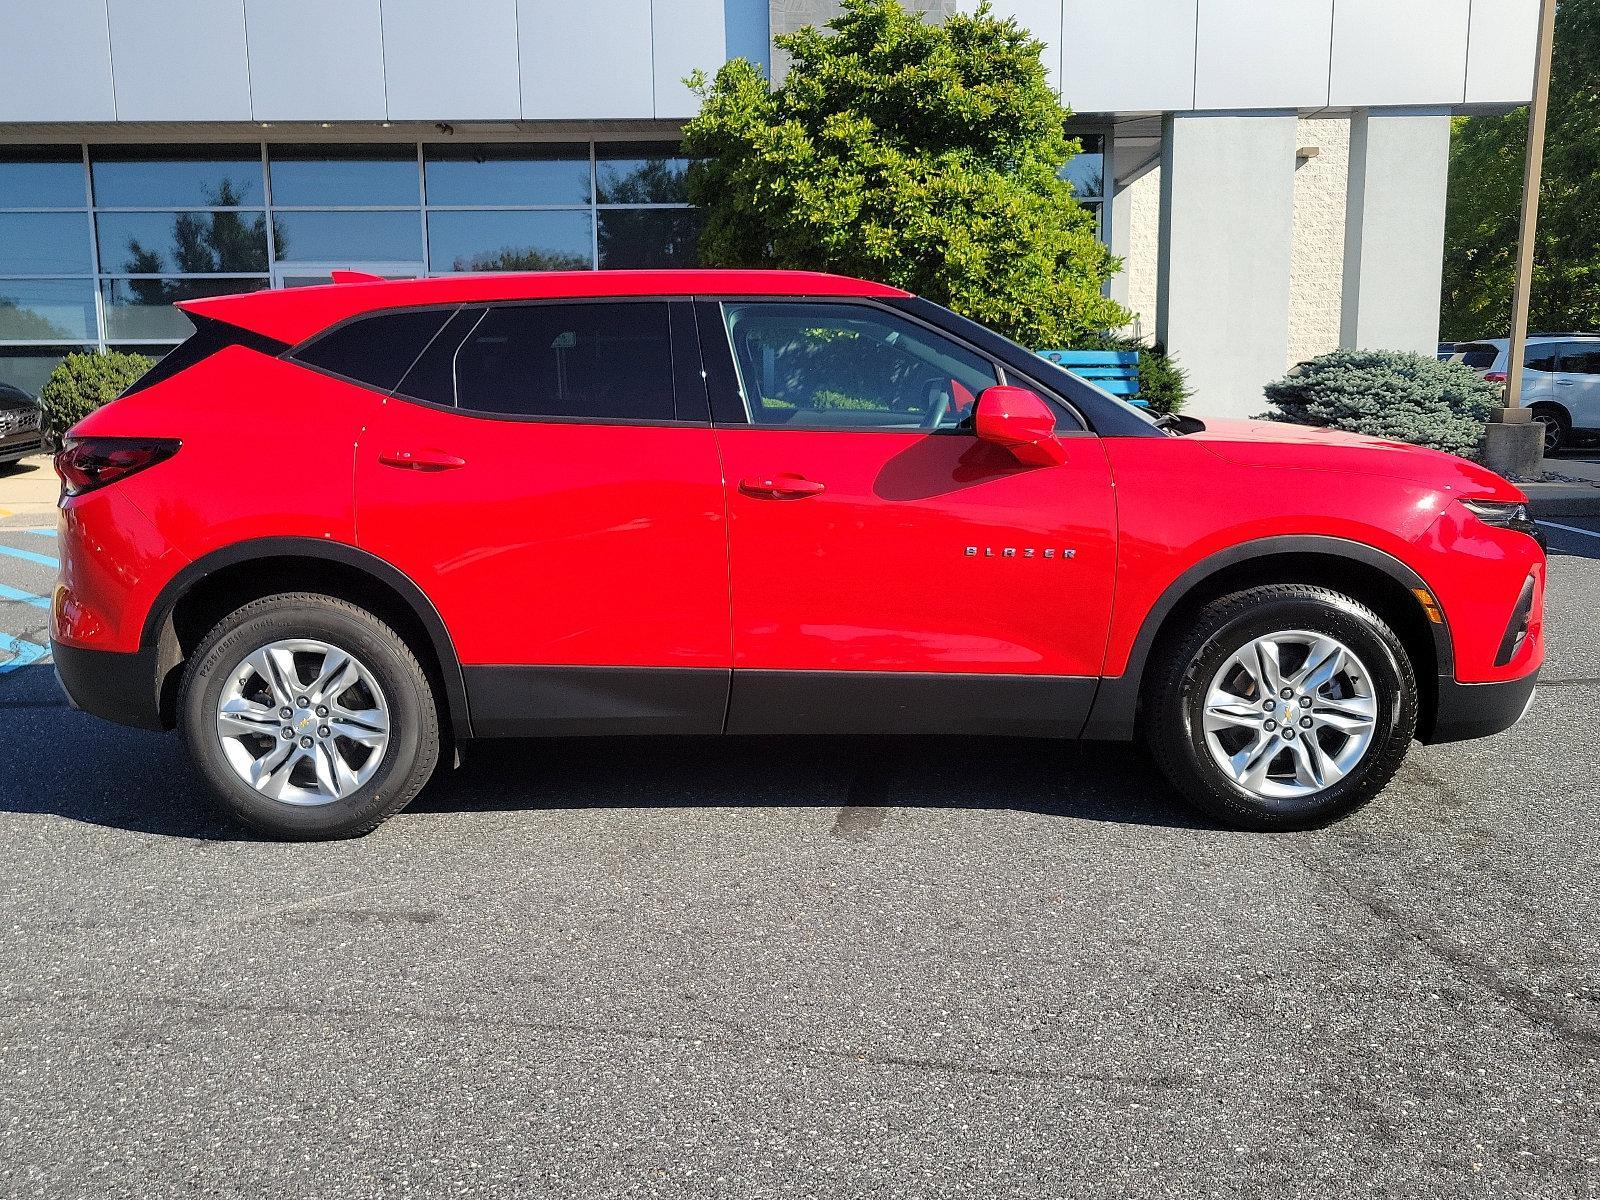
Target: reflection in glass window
<point>569,360</point>
<point>176,176</point>
<point>44,243</point>
<point>1086,169</point>
<point>46,310</point>
<point>507,174</point>
<point>41,177</point>
<point>850,366</point>
<point>649,237</point>
<point>316,176</point>
<point>339,237</point>
<point>182,243</point>
<point>510,241</point>
<point>27,367</point>
<point>141,309</point>
<point>640,173</point>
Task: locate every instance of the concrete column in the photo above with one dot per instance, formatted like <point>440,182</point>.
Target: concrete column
<point>1394,229</point>
<point>1227,220</point>
<point>1118,228</point>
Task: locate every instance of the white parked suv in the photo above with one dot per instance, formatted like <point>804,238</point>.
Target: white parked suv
<point>1560,380</point>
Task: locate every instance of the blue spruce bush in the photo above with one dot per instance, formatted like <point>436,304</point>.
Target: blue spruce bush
<point>1388,394</point>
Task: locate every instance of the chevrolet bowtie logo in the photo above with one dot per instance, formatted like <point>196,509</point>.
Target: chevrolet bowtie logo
<point>1019,552</point>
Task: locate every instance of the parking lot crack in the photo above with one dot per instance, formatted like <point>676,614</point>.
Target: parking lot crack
<point>736,1038</point>
<point>1570,1033</point>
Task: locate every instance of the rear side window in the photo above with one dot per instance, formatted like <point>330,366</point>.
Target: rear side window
<point>433,376</point>
<point>376,350</point>
<point>1581,360</point>
<point>584,361</point>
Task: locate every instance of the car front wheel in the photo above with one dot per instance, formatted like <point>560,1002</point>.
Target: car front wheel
<point>1281,707</point>
<point>309,717</point>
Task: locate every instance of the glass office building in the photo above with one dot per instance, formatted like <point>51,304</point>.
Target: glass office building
<point>97,243</point>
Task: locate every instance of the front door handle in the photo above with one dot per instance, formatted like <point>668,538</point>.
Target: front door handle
<point>780,487</point>
<point>421,460</point>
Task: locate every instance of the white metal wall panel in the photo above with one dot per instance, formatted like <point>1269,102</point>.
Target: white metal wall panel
<point>1042,18</point>
<point>1128,56</point>
<point>55,61</point>
<point>179,60</point>
<point>1390,53</point>
<point>316,60</point>
<point>1502,41</point>
<point>687,34</point>
<point>1262,54</point>
<point>588,60</point>
<point>451,64</point>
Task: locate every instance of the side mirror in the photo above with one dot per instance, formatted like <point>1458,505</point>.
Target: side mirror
<point>1024,424</point>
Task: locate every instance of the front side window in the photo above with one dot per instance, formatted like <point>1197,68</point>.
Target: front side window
<point>580,361</point>
<point>850,367</point>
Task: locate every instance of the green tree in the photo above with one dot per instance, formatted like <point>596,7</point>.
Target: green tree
<point>1486,156</point>
<point>82,383</point>
<point>925,156</point>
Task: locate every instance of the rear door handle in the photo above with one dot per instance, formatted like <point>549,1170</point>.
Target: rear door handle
<point>421,460</point>
<point>780,487</point>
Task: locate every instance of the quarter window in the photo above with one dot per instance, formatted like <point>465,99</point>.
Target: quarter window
<point>376,350</point>
<point>850,367</point>
<point>583,361</point>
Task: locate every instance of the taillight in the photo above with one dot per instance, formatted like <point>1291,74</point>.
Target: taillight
<point>88,463</point>
<point>1495,376</point>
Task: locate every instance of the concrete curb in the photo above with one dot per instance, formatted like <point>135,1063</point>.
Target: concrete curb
<point>1562,499</point>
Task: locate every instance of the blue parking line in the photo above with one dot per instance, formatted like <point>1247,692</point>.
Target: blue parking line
<point>44,560</point>
<point>41,531</point>
<point>11,593</point>
<point>27,653</point>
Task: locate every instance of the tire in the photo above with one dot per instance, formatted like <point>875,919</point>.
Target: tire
<point>1187,743</point>
<point>390,692</point>
<point>1557,426</point>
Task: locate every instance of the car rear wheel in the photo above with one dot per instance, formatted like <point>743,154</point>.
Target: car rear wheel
<point>1557,426</point>
<point>1281,707</point>
<point>309,717</point>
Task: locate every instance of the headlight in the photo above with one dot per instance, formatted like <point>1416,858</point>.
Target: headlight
<point>1507,514</point>
<point>1498,512</point>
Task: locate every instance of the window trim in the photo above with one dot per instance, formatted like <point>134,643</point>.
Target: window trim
<point>713,307</point>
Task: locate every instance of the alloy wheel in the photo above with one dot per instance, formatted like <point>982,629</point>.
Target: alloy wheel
<point>1290,714</point>
<point>303,722</point>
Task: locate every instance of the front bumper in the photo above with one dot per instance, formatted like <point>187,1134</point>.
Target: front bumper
<point>14,449</point>
<point>118,687</point>
<point>1473,710</point>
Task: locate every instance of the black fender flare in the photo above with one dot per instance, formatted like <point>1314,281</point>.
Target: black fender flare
<point>158,619</point>
<point>1117,701</point>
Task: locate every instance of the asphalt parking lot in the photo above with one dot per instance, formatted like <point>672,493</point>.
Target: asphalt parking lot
<point>794,968</point>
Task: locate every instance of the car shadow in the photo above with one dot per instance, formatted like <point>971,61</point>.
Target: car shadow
<point>1103,782</point>
<point>54,761</point>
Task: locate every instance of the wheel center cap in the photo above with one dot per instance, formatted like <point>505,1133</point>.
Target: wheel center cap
<point>305,721</point>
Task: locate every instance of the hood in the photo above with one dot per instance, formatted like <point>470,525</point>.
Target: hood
<point>1300,447</point>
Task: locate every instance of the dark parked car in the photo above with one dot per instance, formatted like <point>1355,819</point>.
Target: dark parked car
<point>19,425</point>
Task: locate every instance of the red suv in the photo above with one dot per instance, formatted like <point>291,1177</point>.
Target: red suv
<point>342,529</point>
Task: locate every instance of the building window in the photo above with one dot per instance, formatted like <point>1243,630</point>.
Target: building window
<point>1086,172</point>
<point>98,243</point>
